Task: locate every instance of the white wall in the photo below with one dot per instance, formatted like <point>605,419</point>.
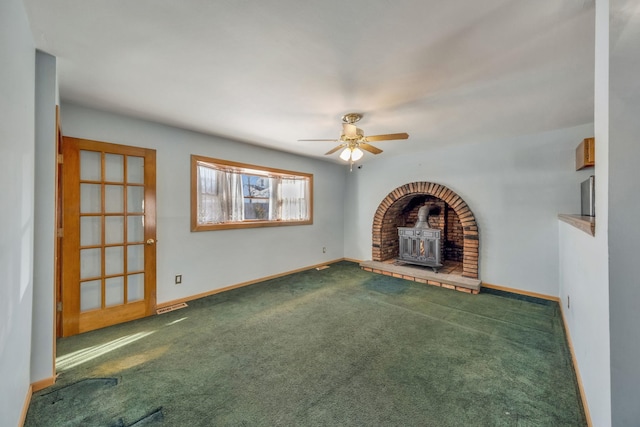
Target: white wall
<point>624,208</point>
<point>43,331</point>
<point>584,260</point>
<point>214,259</point>
<point>583,278</point>
<point>515,187</point>
<point>17,56</point>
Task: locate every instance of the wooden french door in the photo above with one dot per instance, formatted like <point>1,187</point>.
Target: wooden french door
<point>108,258</point>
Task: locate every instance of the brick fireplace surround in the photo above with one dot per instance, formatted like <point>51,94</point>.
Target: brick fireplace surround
<point>399,208</point>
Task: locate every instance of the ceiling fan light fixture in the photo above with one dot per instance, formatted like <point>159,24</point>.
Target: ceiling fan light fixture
<point>351,154</point>
<point>352,140</point>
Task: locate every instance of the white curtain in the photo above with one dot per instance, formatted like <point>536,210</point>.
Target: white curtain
<point>294,199</point>
<point>274,196</point>
<point>220,197</point>
<point>234,197</point>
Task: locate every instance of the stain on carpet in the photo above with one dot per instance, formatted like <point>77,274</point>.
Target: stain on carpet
<point>155,416</point>
<point>82,389</point>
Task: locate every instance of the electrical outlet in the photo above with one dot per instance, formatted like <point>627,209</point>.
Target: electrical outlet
<point>324,250</point>
<point>178,279</point>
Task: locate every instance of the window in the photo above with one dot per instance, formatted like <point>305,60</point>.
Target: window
<point>236,195</point>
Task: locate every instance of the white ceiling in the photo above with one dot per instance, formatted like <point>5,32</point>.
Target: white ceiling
<point>270,72</point>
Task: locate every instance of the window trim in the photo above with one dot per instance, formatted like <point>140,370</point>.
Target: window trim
<point>250,169</point>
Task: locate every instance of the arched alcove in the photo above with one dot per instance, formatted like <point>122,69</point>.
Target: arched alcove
<point>395,210</point>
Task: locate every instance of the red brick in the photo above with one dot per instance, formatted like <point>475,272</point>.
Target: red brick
<point>460,205</point>
<point>430,188</point>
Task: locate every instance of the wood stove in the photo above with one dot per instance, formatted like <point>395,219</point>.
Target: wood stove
<point>420,244</point>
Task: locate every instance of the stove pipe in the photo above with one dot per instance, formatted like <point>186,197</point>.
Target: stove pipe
<point>423,217</point>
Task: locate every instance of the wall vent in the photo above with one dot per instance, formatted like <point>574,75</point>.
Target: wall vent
<point>171,308</point>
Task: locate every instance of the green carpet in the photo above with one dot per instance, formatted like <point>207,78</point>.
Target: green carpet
<point>335,347</point>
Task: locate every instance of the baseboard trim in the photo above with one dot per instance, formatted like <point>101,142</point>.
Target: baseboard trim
<point>25,407</point>
<point>42,384</point>
<point>243,284</point>
<point>520,292</point>
<point>583,395</point>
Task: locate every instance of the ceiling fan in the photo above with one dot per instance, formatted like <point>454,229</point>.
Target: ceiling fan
<point>354,141</point>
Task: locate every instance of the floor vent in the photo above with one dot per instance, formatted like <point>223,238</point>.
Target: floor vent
<point>171,308</point>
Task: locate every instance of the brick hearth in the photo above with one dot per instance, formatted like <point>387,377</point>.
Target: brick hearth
<point>449,280</point>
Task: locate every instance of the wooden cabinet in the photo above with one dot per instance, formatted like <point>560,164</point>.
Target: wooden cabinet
<point>586,154</point>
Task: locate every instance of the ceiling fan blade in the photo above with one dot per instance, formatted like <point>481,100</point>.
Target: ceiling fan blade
<point>349,130</point>
<point>331,140</point>
<point>386,137</point>
<point>333,150</point>
<point>369,148</point>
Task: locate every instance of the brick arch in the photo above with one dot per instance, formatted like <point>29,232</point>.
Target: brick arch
<point>400,195</point>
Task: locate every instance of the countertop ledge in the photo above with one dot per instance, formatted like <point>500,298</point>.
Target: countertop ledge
<point>581,222</point>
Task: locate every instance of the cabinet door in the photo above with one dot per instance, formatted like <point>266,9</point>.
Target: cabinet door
<point>585,154</point>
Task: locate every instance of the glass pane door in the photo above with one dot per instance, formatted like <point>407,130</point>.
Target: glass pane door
<point>112,219</point>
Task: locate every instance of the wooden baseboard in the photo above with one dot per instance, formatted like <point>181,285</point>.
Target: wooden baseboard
<point>25,407</point>
<point>243,284</point>
<point>583,395</point>
<point>520,292</point>
<point>42,384</point>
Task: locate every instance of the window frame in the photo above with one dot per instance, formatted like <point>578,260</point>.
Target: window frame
<point>248,169</point>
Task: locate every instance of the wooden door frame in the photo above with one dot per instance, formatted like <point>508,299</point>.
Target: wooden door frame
<point>57,251</point>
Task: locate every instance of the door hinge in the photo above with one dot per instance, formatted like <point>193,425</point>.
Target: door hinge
<point>60,232</point>
<point>59,306</point>
<point>60,159</point>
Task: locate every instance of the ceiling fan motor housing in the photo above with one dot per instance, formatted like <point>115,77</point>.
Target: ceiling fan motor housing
<point>351,118</point>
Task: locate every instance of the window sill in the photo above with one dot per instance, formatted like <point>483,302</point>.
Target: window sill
<point>584,223</point>
<point>248,224</point>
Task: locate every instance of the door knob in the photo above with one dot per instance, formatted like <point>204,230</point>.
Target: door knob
<point>151,241</point>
